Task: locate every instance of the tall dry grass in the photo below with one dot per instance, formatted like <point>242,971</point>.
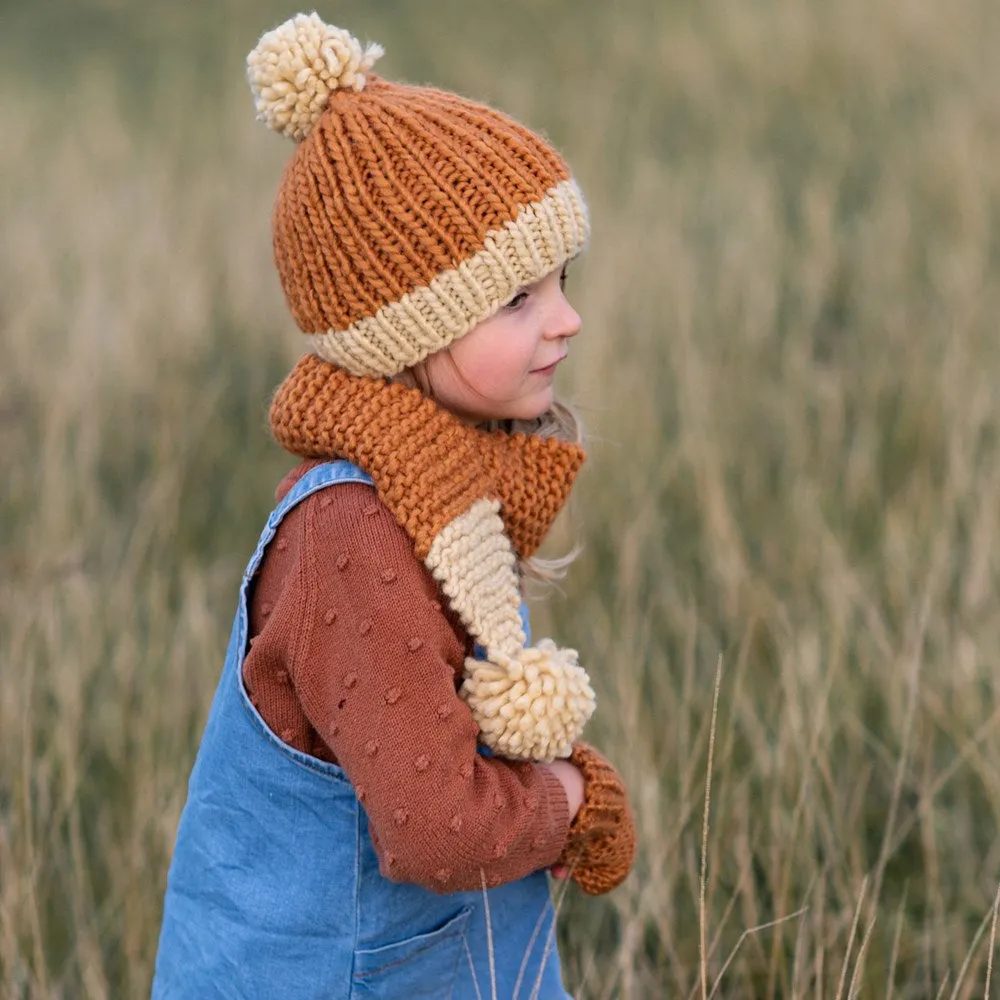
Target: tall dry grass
<point>790,368</point>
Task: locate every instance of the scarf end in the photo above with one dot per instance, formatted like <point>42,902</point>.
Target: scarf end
<point>530,706</point>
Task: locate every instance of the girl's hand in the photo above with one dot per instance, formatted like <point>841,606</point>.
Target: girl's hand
<point>571,779</point>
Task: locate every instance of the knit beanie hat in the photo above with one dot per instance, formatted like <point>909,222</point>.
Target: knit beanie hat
<point>405,217</point>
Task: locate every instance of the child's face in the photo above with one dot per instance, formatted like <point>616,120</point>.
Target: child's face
<point>504,368</point>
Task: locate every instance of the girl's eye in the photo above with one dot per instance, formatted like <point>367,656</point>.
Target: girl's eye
<point>563,276</point>
<point>517,300</point>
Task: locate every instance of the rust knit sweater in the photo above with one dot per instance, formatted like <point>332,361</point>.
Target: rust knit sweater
<point>354,659</point>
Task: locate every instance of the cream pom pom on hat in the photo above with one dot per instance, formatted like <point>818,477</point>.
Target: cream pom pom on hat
<point>405,217</point>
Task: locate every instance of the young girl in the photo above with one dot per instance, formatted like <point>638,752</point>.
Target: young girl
<point>390,767</point>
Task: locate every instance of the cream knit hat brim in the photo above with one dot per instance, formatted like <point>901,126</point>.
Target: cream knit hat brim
<point>544,235</point>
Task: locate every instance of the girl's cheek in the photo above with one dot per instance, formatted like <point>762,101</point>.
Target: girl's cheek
<point>507,372</point>
<point>486,379</point>
<point>494,357</point>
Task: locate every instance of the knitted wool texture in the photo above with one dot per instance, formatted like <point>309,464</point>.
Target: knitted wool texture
<point>469,499</point>
<point>405,217</point>
<point>600,849</point>
<point>428,466</point>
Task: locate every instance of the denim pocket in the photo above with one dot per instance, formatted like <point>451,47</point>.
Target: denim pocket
<point>419,968</point>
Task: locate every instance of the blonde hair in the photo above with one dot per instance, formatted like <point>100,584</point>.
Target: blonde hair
<point>561,422</point>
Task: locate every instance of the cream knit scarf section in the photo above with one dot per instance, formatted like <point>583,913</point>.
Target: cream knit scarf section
<point>472,501</point>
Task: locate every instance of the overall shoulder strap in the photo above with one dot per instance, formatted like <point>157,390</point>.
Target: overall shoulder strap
<point>317,478</point>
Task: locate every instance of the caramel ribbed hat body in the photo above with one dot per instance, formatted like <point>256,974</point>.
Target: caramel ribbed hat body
<point>407,215</point>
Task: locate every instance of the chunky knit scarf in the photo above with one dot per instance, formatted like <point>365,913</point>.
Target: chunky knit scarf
<point>472,501</point>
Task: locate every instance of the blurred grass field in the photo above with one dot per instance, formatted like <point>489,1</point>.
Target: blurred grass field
<point>790,367</point>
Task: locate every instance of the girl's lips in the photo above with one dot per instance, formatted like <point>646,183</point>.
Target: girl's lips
<point>549,369</point>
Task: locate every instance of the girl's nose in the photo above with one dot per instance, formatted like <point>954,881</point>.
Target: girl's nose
<point>565,320</point>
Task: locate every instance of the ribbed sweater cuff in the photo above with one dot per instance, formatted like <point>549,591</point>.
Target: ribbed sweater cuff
<point>559,817</point>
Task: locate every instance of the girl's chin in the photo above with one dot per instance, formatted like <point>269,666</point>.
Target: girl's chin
<point>533,408</point>
<point>527,408</point>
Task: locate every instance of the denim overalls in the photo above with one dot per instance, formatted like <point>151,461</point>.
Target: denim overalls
<point>274,889</point>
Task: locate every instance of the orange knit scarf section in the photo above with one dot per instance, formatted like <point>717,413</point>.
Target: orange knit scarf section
<point>428,466</point>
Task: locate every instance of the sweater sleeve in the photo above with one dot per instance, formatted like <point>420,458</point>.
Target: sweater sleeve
<point>374,665</point>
